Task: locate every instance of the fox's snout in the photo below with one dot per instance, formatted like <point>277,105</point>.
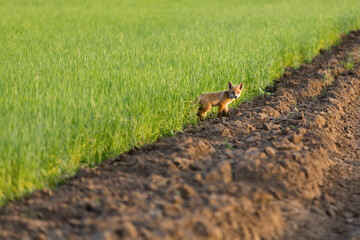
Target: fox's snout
<point>233,96</point>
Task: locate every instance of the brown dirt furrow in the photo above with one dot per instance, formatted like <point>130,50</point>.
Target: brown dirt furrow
<point>283,166</point>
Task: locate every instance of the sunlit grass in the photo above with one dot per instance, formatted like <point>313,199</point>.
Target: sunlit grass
<point>84,80</point>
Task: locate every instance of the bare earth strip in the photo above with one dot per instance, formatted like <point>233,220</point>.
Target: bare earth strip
<point>283,166</point>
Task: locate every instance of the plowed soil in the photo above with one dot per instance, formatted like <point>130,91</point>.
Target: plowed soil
<point>283,166</point>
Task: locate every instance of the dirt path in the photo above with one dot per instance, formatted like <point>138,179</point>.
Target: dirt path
<point>283,166</point>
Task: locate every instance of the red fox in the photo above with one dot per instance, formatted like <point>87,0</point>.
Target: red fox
<point>221,99</point>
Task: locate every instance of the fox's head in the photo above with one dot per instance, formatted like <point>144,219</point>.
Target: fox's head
<point>235,91</point>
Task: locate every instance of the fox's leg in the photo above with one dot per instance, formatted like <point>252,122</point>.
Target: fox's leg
<point>223,110</point>
<point>202,110</point>
<point>226,110</point>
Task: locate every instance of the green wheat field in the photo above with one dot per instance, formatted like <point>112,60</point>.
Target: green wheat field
<point>85,80</point>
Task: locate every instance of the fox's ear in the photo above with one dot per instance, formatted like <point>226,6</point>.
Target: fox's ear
<point>230,85</point>
<point>241,85</point>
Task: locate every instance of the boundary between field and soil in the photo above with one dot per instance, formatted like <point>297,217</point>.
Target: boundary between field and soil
<point>285,165</point>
